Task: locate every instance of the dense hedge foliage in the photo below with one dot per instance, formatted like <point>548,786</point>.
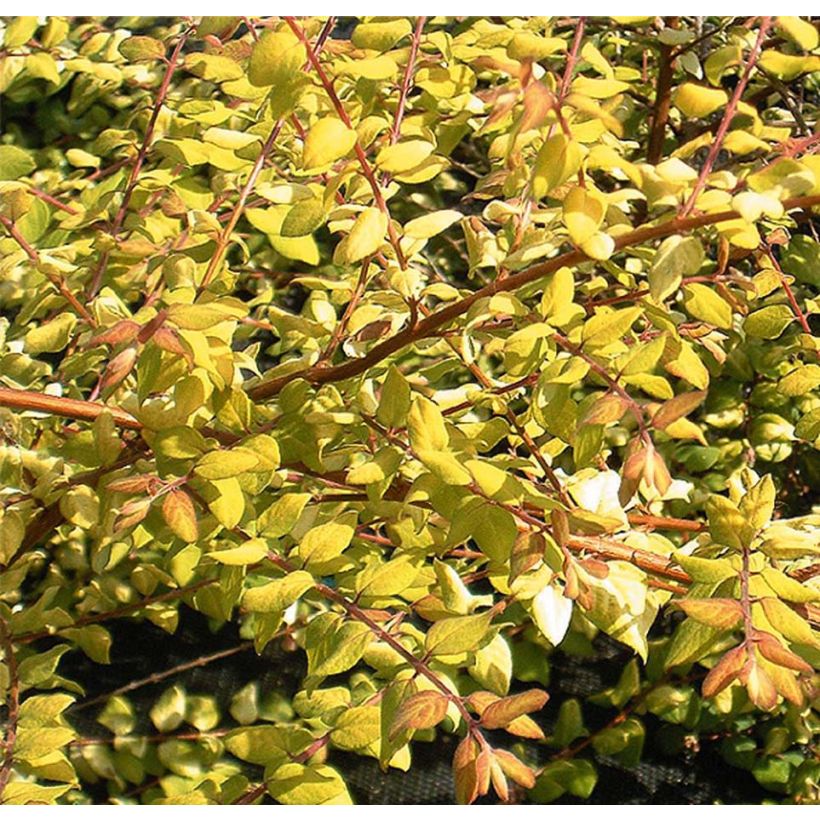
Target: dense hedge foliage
<point>428,350</point>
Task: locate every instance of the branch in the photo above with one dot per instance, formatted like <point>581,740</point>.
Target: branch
<point>663,102</point>
<point>236,213</point>
<point>158,677</point>
<point>428,326</point>
<point>131,185</point>
<point>67,408</point>
<point>367,170</point>
<point>407,80</point>
<point>55,280</point>
<point>728,116</point>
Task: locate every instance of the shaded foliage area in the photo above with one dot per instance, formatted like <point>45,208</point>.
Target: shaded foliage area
<point>409,409</point>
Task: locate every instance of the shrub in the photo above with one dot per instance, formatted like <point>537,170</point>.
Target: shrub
<point>432,351</point>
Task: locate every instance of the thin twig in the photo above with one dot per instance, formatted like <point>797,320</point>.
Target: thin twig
<point>427,327</point>
<point>728,116</point>
<point>130,186</point>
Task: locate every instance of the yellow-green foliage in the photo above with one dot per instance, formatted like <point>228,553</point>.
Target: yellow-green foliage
<point>432,349</point>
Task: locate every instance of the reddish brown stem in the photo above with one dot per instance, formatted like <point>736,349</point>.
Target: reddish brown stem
<point>367,169</point>
<point>67,408</point>
<point>55,279</point>
<point>428,326</point>
<point>225,236</point>
<point>131,185</point>
<point>407,80</point>
<point>795,306</point>
<point>663,102</point>
<point>728,116</point>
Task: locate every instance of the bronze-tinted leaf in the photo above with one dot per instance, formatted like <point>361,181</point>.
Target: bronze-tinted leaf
<point>420,711</point>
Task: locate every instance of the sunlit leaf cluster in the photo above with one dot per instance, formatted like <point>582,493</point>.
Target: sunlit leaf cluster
<point>425,352</point>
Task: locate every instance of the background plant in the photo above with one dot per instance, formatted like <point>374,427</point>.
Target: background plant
<point>429,349</point>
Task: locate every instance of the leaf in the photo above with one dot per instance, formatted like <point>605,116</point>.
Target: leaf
<point>180,515</point>
<point>50,337</point>
<point>357,728</point>
<point>557,160</point>
<point>19,30</point>
<point>677,256</point>
<point>774,651</point>
<point>578,777</point>
<point>168,712</point>
<point>425,425</point>
<point>394,403</point>
<point>583,214</point>
<point>248,552</point>
<point>338,650</point>
<point>452,636</point>
<point>328,140</point>
<point>799,31</point>
<point>14,161</point>
<point>768,322</point>
<point>502,712</point>
<point>424,227</point>
<point>800,381</point>
<point>277,596</point>
<point>365,238</point>
<point>599,246</point>
<point>137,49</point>
<point>551,613</point>
<point>389,578</point>
<point>275,59</point>
<point>471,771</point>
<point>724,672</point>
<point>607,327</point>
<point>760,687</point>
<point>325,542</point>
<point>420,711</point>
<point>704,304</point>
<point>691,642</point>
<point>380,36</point>
<point>220,464</point>
<point>721,613</point>
<point>303,218</point>
<point>297,784</point>
<point>676,408</point>
<point>757,506</point>
<point>697,101</point>
<point>727,524</point>
<point>706,570</point>
<point>403,156</point>
<point>786,621</point>
<point>280,517</point>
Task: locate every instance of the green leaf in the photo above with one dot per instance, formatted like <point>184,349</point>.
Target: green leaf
<point>325,542</point>
<point>452,636</point>
<point>297,784</point>
<point>221,464</point>
<point>19,30</point>
<point>278,595</point>
<point>327,141</point>
<point>276,58</point>
<point>394,404</point>
<point>677,256</point>
<point>380,36</point>
<point>557,160</point>
<point>365,238</point>
<point>607,327</point>
<point>247,553</point>
<point>52,336</point>
<point>704,304</point>
<point>768,322</point>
